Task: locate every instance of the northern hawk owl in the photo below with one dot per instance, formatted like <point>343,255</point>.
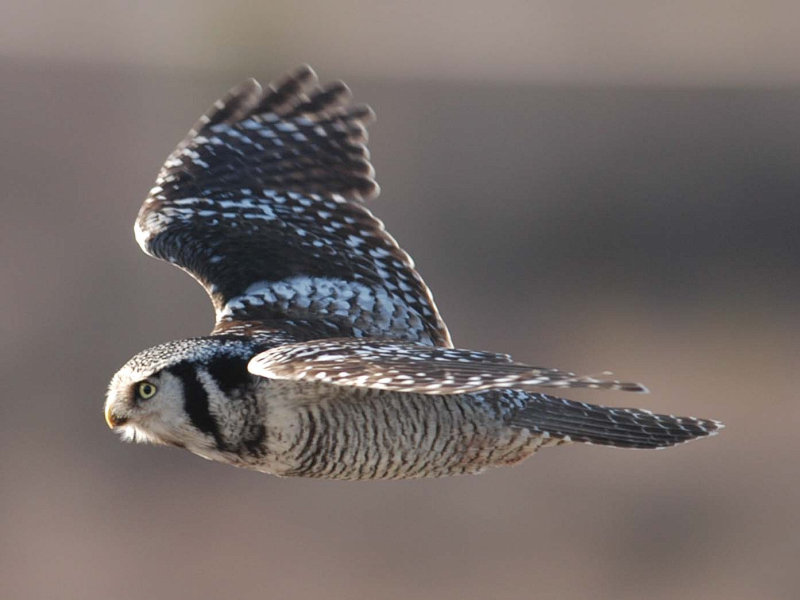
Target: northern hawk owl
<point>328,357</point>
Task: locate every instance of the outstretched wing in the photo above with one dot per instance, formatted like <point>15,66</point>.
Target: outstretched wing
<point>412,367</point>
<point>261,203</point>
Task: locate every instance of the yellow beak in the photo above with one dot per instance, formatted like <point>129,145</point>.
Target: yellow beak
<point>114,420</point>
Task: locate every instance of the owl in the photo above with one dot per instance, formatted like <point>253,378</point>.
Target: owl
<point>328,357</point>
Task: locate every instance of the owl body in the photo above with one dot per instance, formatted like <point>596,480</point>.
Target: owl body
<point>375,434</point>
<point>314,429</point>
<point>211,404</point>
<point>328,357</point>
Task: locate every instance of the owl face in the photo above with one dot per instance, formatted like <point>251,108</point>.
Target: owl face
<point>150,406</point>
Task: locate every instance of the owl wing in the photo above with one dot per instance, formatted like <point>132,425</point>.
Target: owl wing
<point>262,204</point>
<point>412,367</point>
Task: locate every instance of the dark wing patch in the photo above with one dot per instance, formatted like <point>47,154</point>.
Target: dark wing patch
<point>408,367</point>
<point>261,203</point>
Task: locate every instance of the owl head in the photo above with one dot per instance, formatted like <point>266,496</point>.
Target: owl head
<point>169,394</point>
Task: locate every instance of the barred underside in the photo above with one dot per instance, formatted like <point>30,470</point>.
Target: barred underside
<point>377,435</point>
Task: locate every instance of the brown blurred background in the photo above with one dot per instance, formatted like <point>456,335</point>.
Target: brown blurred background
<point>586,185</point>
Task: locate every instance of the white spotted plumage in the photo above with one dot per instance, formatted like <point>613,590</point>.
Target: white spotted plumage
<point>329,357</point>
<point>410,367</point>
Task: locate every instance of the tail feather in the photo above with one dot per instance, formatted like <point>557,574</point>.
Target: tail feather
<point>622,427</point>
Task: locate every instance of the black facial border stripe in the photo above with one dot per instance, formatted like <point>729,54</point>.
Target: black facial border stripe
<point>196,401</point>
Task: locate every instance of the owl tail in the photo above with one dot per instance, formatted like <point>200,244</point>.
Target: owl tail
<point>621,427</point>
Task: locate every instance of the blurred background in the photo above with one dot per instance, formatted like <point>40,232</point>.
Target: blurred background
<point>586,185</point>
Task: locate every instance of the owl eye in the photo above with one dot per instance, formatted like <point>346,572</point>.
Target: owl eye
<point>146,390</point>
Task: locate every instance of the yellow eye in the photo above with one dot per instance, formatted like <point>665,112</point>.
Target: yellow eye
<point>146,390</point>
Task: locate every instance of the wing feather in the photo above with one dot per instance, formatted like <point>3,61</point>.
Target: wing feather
<point>408,367</point>
<point>262,204</point>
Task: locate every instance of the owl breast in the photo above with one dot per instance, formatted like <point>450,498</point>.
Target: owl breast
<point>325,431</point>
